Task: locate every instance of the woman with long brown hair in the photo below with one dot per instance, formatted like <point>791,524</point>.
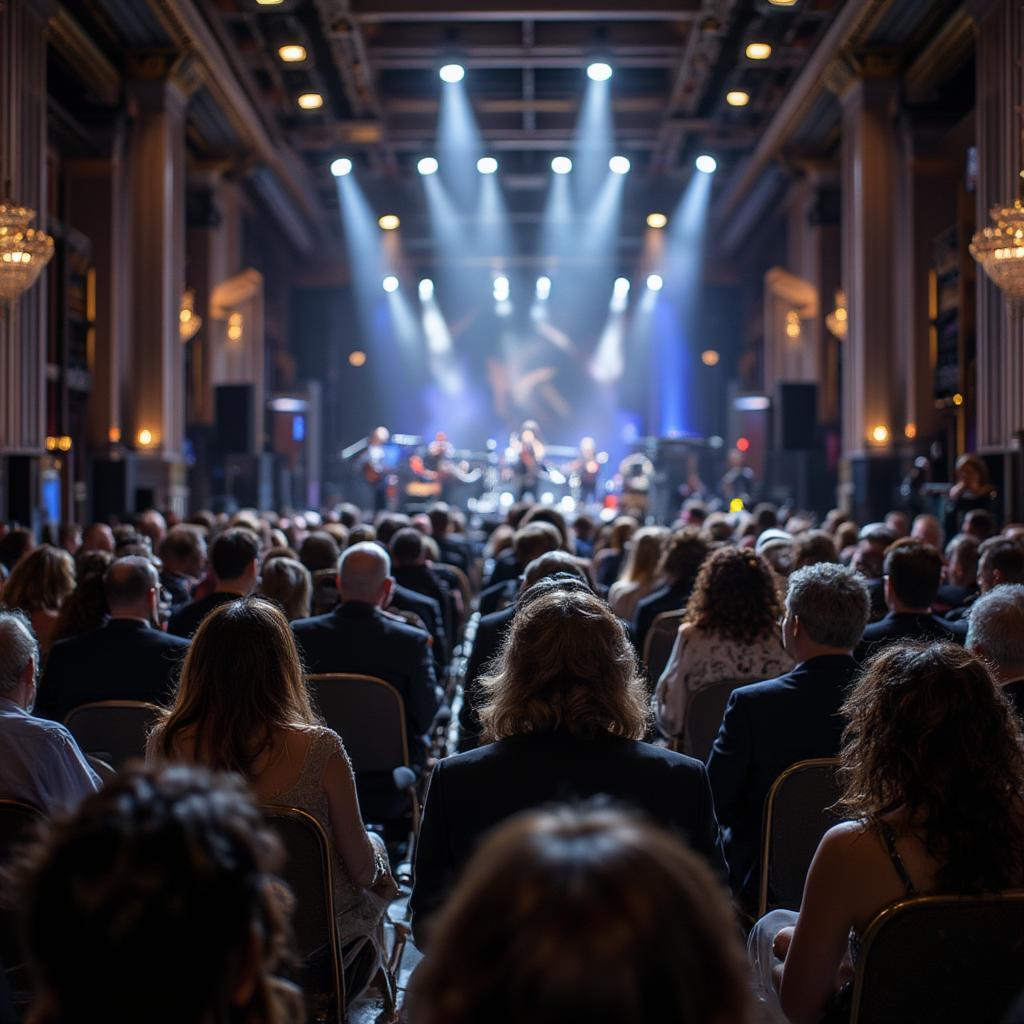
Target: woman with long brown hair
<point>584,915</point>
<point>563,713</point>
<point>242,706</point>
<point>38,586</point>
<point>640,574</point>
<point>730,633</point>
<point>933,779</point>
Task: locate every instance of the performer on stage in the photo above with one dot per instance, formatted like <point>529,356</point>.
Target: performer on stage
<point>527,450</point>
<point>637,472</point>
<point>584,470</point>
<point>373,465</point>
<point>435,467</point>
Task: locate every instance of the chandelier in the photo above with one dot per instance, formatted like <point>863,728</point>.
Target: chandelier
<point>24,251</point>
<point>999,248</point>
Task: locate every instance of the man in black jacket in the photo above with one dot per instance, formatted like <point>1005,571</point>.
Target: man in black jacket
<point>127,658</point>
<point>771,725</point>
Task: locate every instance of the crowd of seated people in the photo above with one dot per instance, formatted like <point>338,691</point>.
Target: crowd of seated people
<point>886,645</point>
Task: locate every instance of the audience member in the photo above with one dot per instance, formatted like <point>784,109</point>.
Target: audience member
<point>289,583</point>
<point>684,554</point>
<point>778,548</point>
<point>898,522</point>
<point>814,547</point>
<point>608,561</point>
<point>1000,560</point>
<point>980,524</point>
<point>358,636</point>
<point>152,525</point>
<point>42,764</point>
<point>491,631</point>
<point>528,543</point>
<point>995,632</point>
<point>410,569</point>
<point>40,583</point>
<point>730,633</point>
<point>319,551</point>
<point>98,537</point>
<point>640,573</point>
<point>154,902</point>
<point>85,608</point>
<point>69,537</point>
<point>961,574</point>
<point>927,529</point>
<point>912,574</point>
<point>183,554</point>
<point>583,915</point>
<point>564,709</point>
<point>933,770</point>
<point>242,706</point>
<point>770,725</point>
<point>127,658</point>
<point>455,549</point>
<point>234,558</point>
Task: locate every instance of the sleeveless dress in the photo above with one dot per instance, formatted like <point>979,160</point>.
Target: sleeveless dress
<point>360,912</point>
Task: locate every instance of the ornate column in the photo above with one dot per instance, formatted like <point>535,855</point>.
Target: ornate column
<point>154,370</point>
<point>23,325</point>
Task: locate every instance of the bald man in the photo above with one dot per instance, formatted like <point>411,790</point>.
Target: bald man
<point>128,658</point>
<point>358,636</point>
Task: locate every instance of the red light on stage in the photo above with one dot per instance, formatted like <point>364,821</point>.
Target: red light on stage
<point>743,444</point>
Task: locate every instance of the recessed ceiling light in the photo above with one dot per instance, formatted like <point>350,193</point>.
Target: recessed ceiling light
<point>291,53</point>
<point>268,3</point>
<point>311,101</point>
<point>758,51</point>
<point>737,98</point>
<point>388,222</point>
<point>656,220</point>
<point>783,3</point>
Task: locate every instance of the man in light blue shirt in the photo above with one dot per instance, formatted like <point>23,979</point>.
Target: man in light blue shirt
<point>40,762</point>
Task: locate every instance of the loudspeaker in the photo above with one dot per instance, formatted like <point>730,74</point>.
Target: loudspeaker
<point>796,417</point>
<point>234,419</point>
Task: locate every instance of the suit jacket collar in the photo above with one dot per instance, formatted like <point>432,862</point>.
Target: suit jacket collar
<point>126,624</point>
<point>354,610</point>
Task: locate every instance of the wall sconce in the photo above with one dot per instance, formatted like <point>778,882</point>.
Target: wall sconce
<point>236,326</point>
<point>793,325</point>
<point>880,434</point>
<point>189,321</point>
<point>910,431</point>
<point>145,438</point>
<point>838,320</point>
<point>114,435</point>
<point>59,443</point>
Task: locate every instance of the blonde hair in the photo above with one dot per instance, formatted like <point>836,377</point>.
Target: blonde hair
<point>289,583</point>
<point>645,548</point>
<point>567,664</point>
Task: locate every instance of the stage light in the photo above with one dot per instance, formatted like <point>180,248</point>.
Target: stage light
<point>487,165</point>
<point>502,289</point>
<point>561,165</point>
<point>742,444</point>
<point>426,289</point>
<point>758,51</point>
<point>357,358</point>
<point>706,164</point>
<point>427,165</point>
<point>656,220</point>
<point>737,98</point>
<point>736,505</point>
<point>599,71</point>
<point>310,101</point>
<point>654,282</point>
<point>709,357</point>
<point>619,165</point>
<point>452,73</point>
<point>620,294</point>
<point>291,53</point>
<point>543,288</point>
<point>341,167</point>
<point>389,222</point>
<point>390,284</point>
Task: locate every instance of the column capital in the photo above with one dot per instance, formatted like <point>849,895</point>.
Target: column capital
<point>853,71</point>
<point>157,75</point>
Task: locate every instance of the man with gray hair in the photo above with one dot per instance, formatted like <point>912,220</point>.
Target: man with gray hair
<point>771,725</point>
<point>359,637</point>
<point>995,632</point>
<point>42,764</point>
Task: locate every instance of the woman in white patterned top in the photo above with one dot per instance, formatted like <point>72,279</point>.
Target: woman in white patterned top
<point>730,633</point>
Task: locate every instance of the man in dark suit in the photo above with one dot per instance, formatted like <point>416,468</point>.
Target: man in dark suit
<point>127,658</point>
<point>1000,560</point>
<point>455,550</point>
<point>529,542</point>
<point>684,554</point>
<point>359,637</point>
<point>961,574</point>
<point>996,633</point>
<point>409,560</point>
<point>235,560</point>
<point>912,574</point>
<point>769,726</point>
<point>183,553</point>
<point>490,633</point>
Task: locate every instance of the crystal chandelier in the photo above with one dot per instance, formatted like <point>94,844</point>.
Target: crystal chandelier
<point>999,248</point>
<point>24,251</point>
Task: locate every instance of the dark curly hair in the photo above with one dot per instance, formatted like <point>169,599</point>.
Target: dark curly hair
<point>735,596</point>
<point>929,730</point>
<point>150,896</point>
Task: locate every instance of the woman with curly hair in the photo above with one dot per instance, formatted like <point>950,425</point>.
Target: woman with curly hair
<point>563,712</point>
<point>932,766</point>
<point>38,586</point>
<point>730,633</point>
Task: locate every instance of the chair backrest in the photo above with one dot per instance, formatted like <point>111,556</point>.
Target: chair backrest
<point>796,815</point>
<point>658,643</point>
<point>105,771</point>
<point>17,822</point>
<point>309,870</point>
<point>113,730</point>
<point>941,959</point>
<point>369,716</point>
<point>704,716</point>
